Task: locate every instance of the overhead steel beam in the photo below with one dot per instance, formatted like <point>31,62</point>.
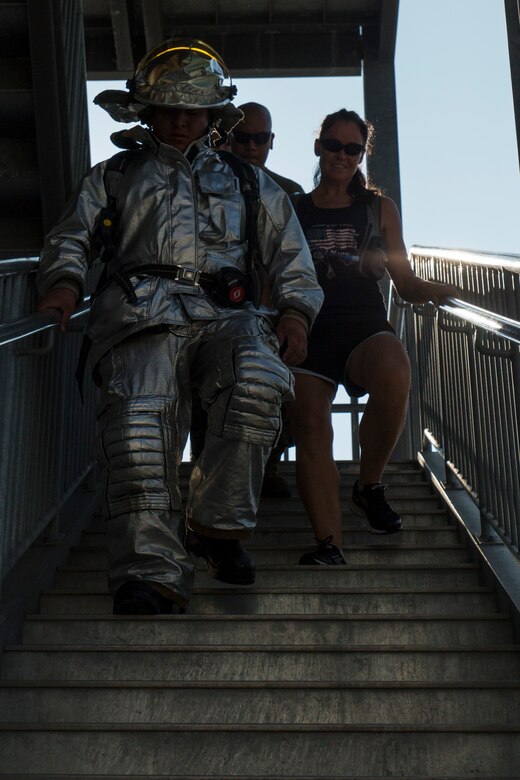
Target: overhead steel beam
<point>122,36</point>
<point>256,50</point>
<point>153,23</point>
<point>267,38</point>
<point>381,111</point>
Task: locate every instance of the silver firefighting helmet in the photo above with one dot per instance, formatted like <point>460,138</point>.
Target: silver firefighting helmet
<point>179,73</point>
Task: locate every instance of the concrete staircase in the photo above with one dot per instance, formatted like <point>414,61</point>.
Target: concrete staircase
<point>398,665</point>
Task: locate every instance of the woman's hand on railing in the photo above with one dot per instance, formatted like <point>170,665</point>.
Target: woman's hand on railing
<point>61,300</point>
<point>438,291</point>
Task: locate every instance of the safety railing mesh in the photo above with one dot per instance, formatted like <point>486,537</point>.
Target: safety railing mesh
<point>466,389</point>
<point>47,434</point>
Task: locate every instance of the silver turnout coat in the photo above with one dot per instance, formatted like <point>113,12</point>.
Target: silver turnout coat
<point>181,209</point>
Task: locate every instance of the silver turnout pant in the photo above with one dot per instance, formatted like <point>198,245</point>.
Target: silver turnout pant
<point>144,419</point>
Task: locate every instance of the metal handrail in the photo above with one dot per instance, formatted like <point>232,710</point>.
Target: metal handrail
<point>36,323</point>
<point>505,327</point>
<point>24,265</point>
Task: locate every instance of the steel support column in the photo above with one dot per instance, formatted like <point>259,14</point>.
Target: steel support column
<point>512,9</point>
<point>383,164</point>
<point>381,111</point>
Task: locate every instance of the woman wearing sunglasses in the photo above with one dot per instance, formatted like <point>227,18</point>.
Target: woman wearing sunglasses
<point>347,224</point>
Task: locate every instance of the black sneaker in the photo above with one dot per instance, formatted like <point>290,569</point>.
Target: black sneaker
<point>371,504</point>
<point>325,554</point>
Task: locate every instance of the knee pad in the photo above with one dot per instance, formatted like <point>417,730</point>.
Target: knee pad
<point>249,408</point>
<point>136,449</point>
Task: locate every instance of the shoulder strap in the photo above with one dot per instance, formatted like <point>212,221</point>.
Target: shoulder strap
<point>102,244</point>
<point>372,235</point>
<point>372,251</point>
<point>250,189</point>
<point>244,172</point>
<point>115,168</point>
<point>102,241</point>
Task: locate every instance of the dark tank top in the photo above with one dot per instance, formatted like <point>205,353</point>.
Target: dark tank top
<point>333,235</point>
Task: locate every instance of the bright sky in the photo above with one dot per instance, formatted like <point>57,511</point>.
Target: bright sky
<point>460,183</point>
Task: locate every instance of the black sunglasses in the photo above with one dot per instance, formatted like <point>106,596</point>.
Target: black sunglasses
<point>260,139</point>
<point>333,145</point>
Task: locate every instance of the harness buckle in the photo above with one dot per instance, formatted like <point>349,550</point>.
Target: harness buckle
<point>187,275</point>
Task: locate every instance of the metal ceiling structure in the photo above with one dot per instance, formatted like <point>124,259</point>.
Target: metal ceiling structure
<point>49,47</point>
<point>260,38</point>
<point>265,38</point>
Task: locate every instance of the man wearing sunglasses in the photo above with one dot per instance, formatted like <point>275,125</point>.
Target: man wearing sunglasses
<point>252,139</point>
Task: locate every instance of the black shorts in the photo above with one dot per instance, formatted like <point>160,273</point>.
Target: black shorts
<point>331,345</point>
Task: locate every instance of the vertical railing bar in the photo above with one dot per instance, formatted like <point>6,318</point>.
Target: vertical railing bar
<point>501,443</point>
<point>515,454</point>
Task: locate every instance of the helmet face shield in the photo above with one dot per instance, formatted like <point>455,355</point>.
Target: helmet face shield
<point>179,73</point>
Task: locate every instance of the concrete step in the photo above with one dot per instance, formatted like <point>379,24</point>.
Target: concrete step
<point>271,663</point>
<point>303,601</point>
<point>260,702</point>
<point>396,490</point>
<point>348,751</point>
<point>348,477</point>
<point>346,630</point>
<point>280,516</point>
<point>407,502</point>
<point>348,469</point>
<point>303,535</point>
<point>97,557</point>
<point>243,776</point>
<point>414,514</point>
<point>454,576</point>
<point>397,487</point>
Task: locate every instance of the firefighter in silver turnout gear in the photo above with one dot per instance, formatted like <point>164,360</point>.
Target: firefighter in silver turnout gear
<point>158,328</point>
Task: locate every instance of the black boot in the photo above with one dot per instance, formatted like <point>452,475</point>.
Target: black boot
<point>136,597</point>
<point>227,560</point>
